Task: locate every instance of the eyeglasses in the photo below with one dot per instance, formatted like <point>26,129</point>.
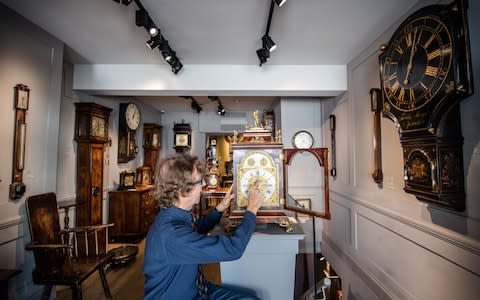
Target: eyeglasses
<point>202,182</point>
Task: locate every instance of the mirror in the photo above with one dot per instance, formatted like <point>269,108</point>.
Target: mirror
<point>306,181</point>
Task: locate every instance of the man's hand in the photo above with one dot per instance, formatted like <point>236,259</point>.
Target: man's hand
<point>225,203</point>
<point>255,199</point>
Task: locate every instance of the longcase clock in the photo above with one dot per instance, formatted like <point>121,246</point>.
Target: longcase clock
<point>91,134</point>
<point>425,72</point>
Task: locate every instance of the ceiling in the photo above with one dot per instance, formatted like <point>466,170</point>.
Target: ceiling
<point>307,32</point>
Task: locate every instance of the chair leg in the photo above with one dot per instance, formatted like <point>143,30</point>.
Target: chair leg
<point>106,289</point>
<point>47,290</point>
<point>77,292</point>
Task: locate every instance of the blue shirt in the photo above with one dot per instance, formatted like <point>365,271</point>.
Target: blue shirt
<point>174,249</point>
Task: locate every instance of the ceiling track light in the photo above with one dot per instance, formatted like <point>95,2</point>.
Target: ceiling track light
<point>263,55</point>
<point>220,109</point>
<point>142,19</point>
<point>153,42</point>
<point>268,43</point>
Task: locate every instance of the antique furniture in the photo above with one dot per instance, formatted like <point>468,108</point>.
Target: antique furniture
<point>144,176</point>
<point>320,156</point>
<point>91,135</point>
<point>333,170</point>
<point>128,122</point>
<point>127,180</point>
<point>17,187</point>
<point>376,107</point>
<point>182,137</point>
<point>64,257</point>
<point>132,211</point>
<point>152,137</point>
<point>425,72</point>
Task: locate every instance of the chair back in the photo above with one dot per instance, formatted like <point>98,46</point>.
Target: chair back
<point>43,221</point>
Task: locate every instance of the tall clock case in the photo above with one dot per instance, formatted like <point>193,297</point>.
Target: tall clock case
<point>261,164</point>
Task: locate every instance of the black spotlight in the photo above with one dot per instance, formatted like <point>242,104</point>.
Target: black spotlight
<point>280,2</point>
<point>176,67</point>
<point>166,51</point>
<point>268,43</point>
<point>153,42</point>
<point>220,110</point>
<point>263,55</point>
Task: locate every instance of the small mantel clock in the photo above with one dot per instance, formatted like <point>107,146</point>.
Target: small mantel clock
<point>128,122</point>
<point>91,135</point>
<point>425,72</point>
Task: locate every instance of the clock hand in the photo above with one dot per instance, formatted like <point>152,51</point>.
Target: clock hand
<point>410,59</point>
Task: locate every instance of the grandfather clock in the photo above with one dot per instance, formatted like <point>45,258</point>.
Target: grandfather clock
<point>151,143</point>
<point>91,134</point>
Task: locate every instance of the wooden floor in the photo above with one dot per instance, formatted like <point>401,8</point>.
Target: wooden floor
<point>126,283</point>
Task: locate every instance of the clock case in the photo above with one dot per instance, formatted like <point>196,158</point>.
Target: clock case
<point>274,150</point>
<point>282,158</point>
<point>127,145</point>
<point>431,135</point>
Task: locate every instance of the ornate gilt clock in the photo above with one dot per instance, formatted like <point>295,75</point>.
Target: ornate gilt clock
<point>425,72</point>
<point>260,164</point>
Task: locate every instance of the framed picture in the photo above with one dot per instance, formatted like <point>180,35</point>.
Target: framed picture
<point>307,204</point>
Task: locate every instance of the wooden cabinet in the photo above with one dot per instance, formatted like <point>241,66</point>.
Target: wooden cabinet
<point>132,211</point>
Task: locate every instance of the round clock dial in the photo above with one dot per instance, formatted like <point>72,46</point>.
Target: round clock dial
<point>302,140</point>
<point>132,116</point>
<point>258,168</point>
<point>417,63</point>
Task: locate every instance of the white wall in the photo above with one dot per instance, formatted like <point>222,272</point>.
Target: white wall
<point>31,57</point>
<point>383,242</point>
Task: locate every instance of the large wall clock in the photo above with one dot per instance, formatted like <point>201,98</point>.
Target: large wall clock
<point>128,121</point>
<point>425,72</point>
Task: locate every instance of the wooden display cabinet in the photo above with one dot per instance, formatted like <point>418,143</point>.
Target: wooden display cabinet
<point>132,211</point>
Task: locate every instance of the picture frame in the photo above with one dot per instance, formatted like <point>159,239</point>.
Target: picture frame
<point>307,203</point>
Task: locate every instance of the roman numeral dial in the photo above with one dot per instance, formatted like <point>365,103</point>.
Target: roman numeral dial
<point>416,63</point>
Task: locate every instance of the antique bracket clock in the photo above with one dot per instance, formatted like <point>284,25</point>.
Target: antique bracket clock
<point>425,72</point>
<point>260,160</point>
<point>91,135</point>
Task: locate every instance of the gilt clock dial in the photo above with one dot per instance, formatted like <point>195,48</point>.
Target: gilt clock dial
<point>258,167</point>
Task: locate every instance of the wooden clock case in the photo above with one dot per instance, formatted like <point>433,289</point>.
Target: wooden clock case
<point>91,135</point>
<point>425,72</point>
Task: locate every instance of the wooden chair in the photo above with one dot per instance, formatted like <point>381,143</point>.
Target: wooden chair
<point>68,256</point>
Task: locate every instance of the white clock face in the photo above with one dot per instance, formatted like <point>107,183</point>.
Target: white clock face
<point>132,115</point>
<point>302,140</point>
